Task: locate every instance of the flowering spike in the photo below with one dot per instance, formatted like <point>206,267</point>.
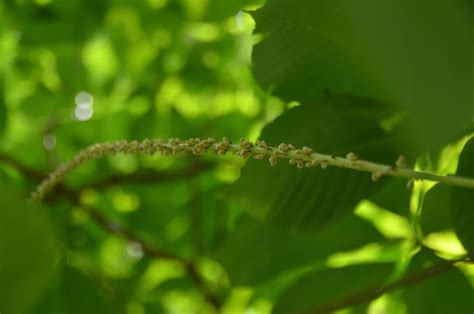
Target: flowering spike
<point>262,144</point>
<point>283,147</point>
<point>401,162</point>
<point>352,156</point>
<point>307,150</point>
<point>302,158</point>
<point>376,176</point>
<point>273,160</point>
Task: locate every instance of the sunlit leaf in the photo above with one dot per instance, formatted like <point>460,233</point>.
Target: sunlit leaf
<point>255,252</point>
<point>328,285</point>
<point>463,200</point>
<point>449,292</point>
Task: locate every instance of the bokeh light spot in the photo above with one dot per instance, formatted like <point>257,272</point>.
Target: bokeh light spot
<point>135,250</point>
<point>49,141</point>
<point>83,112</point>
<point>84,98</point>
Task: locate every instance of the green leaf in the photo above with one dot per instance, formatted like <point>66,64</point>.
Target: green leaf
<point>3,108</point>
<point>82,295</point>
<point>255,252</point>
<point>415,54</point>
<point>449,292</point>
<point>28,253</point>
<point>219,10</point>
<point>463,199</point>
<point>310,198</point>
<point>328,285</point>
<point>393,196</point>
<point>76,293</point>
<point>436,213</point>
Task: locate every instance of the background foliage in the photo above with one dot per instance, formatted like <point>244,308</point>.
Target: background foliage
<point>202,235</point>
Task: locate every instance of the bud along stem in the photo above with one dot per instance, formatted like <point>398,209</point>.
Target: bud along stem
<point>305,157</point>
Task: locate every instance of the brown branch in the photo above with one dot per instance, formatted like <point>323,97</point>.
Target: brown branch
<point>21,168</point>
<point>153,252</point>
<point>117,229</point>
<point>147,248</point>
<point>375,292</point>
<point>152,176</point>
<point>143,177</point>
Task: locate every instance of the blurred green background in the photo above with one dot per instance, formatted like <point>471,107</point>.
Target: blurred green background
<point>79,72</point>
<point>74,73</point>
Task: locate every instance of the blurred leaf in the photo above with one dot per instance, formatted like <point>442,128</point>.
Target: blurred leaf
<point>449,292</point>
<point>255,252</point>
<point>82,295</point>
<point>3,108</point>
<point>39,24</point>
<point>463,200</point>
<point>416,54</point>
<point>436,214</point>
<point>181,283</point>
<point>41,103</point>
<point>76,293</point>
<point>310,198</point>
<point>221,9</point>
<point>28,253</point>
<point>328,285</point>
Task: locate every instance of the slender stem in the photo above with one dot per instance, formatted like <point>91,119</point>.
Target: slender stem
<point>21,168</point>
<point>153,252</point>
<point>151,176</point>
<point>375,292</point>
<point>120,231</point>
<point>304,157</point>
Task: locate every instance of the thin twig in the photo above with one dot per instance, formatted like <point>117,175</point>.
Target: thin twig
<point>143,177</point>
<point>21,168</point>
<point>375,292</point>
<point>116,228</point>
<point>153,252</point>
<point>304,157</point>
<point>152,176</point>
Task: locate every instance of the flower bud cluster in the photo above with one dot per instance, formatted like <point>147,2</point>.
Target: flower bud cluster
<point>305,157</point>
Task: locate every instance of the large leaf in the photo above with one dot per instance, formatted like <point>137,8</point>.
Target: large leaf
<point>28,253</point>
<point>311,197</point>
<point>255,252</point>
<point>449,292</point>
<point>416,54</point>
<point>328,285</point>
<point>463,200</point>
